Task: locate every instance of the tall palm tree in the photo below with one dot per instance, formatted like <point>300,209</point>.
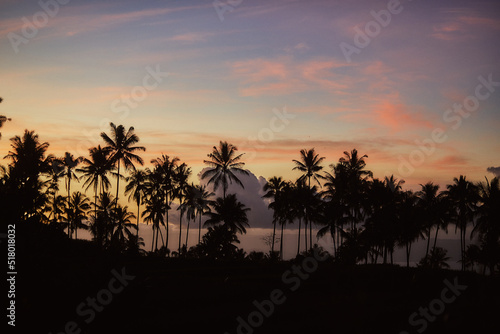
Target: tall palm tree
<point>78,205</point>
<point>230,212</point>
<point>181,176</point>
<point>153,213</point>
<point>352,183</point>
<point>464,196</point>
<point>164,182</point>
<point>28,164</point>
<point>409,225</point>
<point>69,163</point>
<point>120,144</point>
<point>309,165</point>
<point>136,188</point>
<point>274,190</point>
<point>223,166</point>
<point>430,202</point>
<point>95,171</point>
<point>189,207</point>
<point>122,226</point>
<point>202,203</point>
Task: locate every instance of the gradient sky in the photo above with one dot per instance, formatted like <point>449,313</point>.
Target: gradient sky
<point>227,76</point>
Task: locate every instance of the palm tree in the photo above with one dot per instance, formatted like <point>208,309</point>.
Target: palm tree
<point>136,188</point>
<point>464,196</point>
<point>488,224</point>
<point>274,190</point>
<point>120,144</point>
<point>409,226</point>
<point>203,204</point>
<point>181,175</point>
<point>95,171</point>
<point>122,221</point>
<point>309,165</point>
<point>189,207</point>
<point>3,119</point>
<point>352,183</point>
<point>431,205</point>
<point>163,184</point>
<point>230,212</point>
<point>102,222</point>
<point>69,163</point>
<point>155,207</point>
<point>28,163</point>
<point>78,205</point>
<point>223,165</point>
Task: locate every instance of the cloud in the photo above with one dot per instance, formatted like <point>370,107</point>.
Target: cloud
<point>398,118</point>
<point>494,170</point>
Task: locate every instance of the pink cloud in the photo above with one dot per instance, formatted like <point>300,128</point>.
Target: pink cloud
<point>398,118</point>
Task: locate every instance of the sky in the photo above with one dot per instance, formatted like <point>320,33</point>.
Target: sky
<point>270,76</point>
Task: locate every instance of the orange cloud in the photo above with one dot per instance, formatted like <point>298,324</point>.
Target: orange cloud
<point>398,118</point>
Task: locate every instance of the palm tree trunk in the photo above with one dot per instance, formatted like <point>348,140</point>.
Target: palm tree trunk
<point>199,231</point>
<point>153,238</point>
<point>281,241</point>
<point>435,239</point>
<point>298,243</point>
<point>117,185</point>
<point>187,234</point>
<point>180,232</point>
<point>428,241</point>
<point>69,185</point>
<point>310,236</point>
<point>138,212</point>
<point>407,256</point>
<point>305,232</point>
<point>166,216</point>
<point>274,235</point>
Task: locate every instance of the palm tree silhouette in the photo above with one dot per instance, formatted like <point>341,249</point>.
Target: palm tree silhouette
<point>274,190</point>
<point>181,175</point>
<point>431,204</point>
<point>163,175</point>
<point>69,163</point>
<point>120,144</point>
<point>464,196</point>
<point>95,171</point>
<point>78,205</point>
<point>122,226</point>
<point>223,165</point>
<point>230,212</point>
<point>410,222</point>
<point>136,188</point>
<point>28,163</point>
<point>203,203</point>
<point>309,165</point>
<point>3,119</point>
<point>155,208</point>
